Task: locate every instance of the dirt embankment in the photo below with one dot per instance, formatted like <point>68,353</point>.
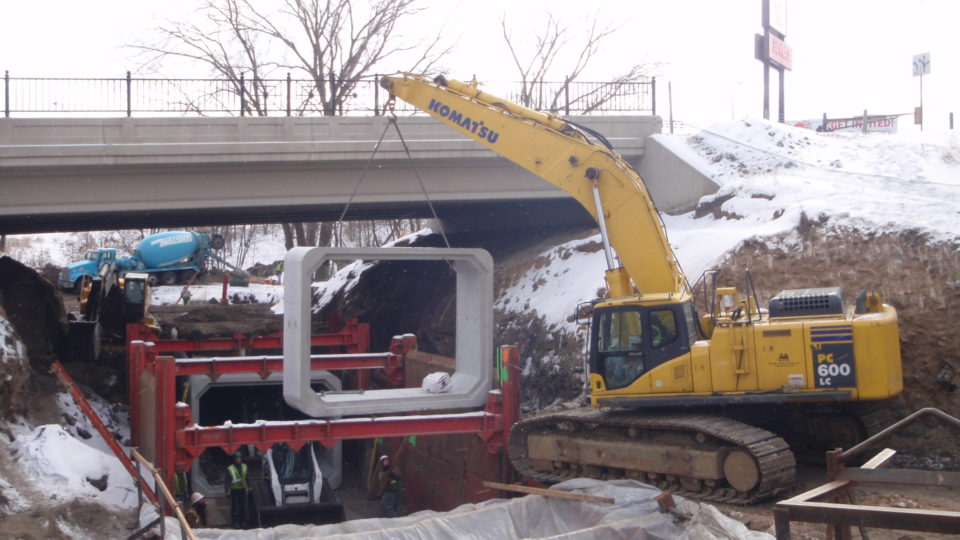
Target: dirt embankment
<point>36,316</point>
<point>919,277</point>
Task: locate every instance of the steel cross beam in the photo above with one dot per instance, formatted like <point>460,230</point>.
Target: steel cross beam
<point>191,440</point>
<point>355,338</point>
<point>265,365</point>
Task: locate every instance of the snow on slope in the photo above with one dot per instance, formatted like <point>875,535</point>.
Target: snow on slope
<point>770,175</point>
<point>61,467</point>
<point>67,469</point>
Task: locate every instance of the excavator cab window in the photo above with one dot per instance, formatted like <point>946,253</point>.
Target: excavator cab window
<point>619,347</point>
<point>621,354</point>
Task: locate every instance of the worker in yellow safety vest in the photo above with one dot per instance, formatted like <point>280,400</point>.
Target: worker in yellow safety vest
<point>236,483</point>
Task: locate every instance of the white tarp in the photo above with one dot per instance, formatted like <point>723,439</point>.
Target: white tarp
<point>634,515</point>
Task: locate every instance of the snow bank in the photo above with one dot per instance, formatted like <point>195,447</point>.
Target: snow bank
<point>771,175</point>
<point>66,469</point>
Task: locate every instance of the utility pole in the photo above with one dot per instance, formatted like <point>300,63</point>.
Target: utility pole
<point>772,51</point>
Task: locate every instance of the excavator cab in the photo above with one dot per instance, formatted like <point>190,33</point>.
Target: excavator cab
<point>630,340</point>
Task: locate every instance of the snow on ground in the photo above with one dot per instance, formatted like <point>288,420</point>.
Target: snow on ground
<point>201,294</point>
<point>10,348</point>
<point>66,468</point>
<point>770,175</point>
<point>62,467</point>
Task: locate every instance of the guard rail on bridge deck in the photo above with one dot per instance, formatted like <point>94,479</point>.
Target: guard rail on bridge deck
<point>51,96</point>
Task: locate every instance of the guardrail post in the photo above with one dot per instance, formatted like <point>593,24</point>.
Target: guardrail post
<point>129,85</point>
<point>566,95</point>
<point>376,98</point>
<point>289,86</point>
<point>243,97</point>
<point>6,93</point>
<point>653,96</point>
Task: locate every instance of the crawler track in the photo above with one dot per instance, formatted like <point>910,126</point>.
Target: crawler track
<point>774,462</point>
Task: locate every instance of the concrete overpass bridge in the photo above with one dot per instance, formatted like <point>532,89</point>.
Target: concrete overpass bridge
<point>90,174</point>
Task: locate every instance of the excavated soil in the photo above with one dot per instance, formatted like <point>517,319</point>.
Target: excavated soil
<point>195,321</point>
<point>919,277</point>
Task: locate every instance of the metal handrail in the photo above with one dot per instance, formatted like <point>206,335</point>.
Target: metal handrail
<point>131,95</point>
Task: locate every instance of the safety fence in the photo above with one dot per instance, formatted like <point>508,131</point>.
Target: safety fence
<point>129,96</point>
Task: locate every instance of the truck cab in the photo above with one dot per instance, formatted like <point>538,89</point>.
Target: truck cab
<point>71,277</point>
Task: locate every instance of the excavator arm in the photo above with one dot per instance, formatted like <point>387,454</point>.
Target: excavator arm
<point>562,154</point>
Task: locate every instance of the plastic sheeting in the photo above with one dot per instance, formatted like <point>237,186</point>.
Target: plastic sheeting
<point>634,515</point>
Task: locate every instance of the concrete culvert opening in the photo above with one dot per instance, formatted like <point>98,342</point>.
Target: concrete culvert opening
<point>246,398</point>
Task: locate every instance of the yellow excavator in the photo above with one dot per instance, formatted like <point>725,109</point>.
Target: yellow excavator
<point>719,405</point>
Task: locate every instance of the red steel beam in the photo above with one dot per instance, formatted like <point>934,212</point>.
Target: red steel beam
<point>264,365</point>
<point>101,428</point>
<point>195,439</point>
<point>355,338</point>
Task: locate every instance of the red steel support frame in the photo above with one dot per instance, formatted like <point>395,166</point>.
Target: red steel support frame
<point>353,339</point>
<point>179,441</point>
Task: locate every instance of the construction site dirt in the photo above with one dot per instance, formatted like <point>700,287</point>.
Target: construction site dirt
<point>923,282</point>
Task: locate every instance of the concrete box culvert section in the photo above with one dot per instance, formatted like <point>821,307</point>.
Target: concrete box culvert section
<point>473,343</point>
<point>231,395</point>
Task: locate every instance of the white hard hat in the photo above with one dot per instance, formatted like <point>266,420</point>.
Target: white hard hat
<point>196,497</point>
<point>384,457</point>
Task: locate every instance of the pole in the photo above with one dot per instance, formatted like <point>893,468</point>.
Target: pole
<point>921,101</point>
<point>782,115</point>
<point>129,85</point>
<point>670,103</point>
<point>653,96</point>
<point>766,81</point>
<point>243,97</point>
<point>6,93</point>
<point>288,93</point>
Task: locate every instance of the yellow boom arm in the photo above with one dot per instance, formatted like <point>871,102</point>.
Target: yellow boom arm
<point>561,154</point>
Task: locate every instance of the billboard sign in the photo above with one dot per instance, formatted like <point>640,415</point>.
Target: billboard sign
<point>779,52</point>
<point>778,17</point>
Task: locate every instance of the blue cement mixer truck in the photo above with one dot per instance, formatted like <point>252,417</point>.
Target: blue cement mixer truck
<point>168,258</point>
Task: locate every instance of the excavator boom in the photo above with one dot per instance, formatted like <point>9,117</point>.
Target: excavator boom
<point>561,154</point>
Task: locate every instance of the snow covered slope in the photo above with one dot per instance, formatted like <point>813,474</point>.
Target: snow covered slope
<point>773,176</point>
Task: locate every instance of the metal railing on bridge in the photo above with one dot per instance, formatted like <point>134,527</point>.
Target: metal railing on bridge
<point>57,96</point>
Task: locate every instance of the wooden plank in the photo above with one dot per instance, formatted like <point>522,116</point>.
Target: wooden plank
<point>549,492</point>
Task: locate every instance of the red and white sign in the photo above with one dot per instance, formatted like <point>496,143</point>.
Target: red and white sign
<point>779,52</point>
<point>778,16</point>
<point>875,124</point>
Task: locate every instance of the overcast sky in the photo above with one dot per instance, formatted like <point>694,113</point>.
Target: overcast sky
<point>848,55</point>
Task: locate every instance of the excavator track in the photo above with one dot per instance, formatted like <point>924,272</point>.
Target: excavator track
<point>598,444</point>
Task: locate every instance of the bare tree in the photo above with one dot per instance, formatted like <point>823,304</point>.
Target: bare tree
<point>551,46</point>
<point>332,43</point>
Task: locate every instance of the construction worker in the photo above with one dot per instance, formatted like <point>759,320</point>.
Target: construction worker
<point>236,483</point>
<point>197,513</point>
<point>389,486</point>
<point>181,485</point>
